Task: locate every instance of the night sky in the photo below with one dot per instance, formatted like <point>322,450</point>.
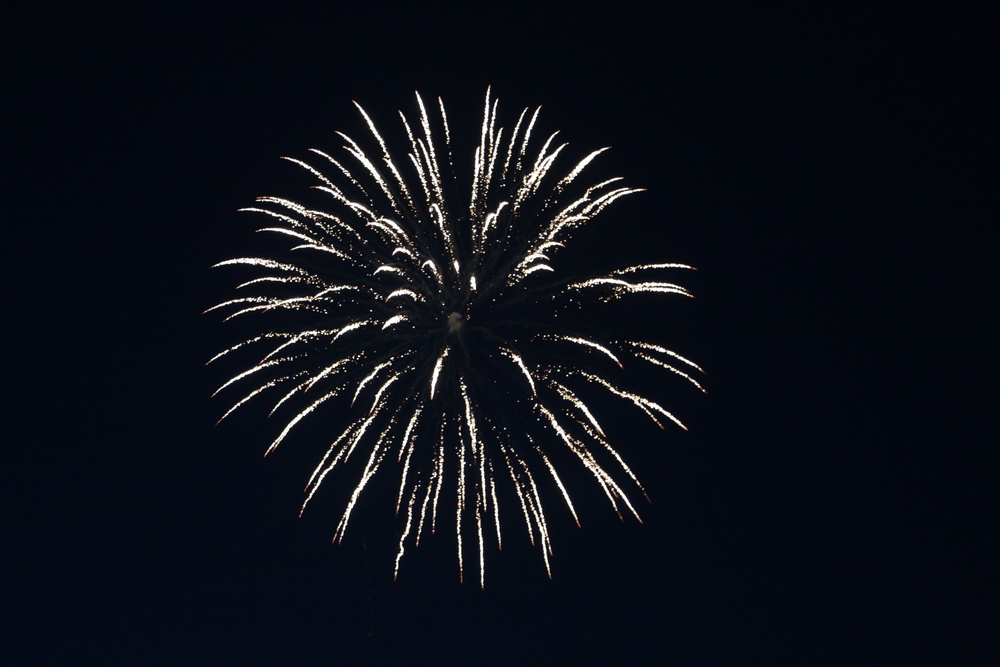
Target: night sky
<point>833,176</point>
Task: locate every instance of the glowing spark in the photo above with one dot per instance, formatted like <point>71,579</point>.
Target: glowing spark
<point>437,367</point>
<point>586,343</point>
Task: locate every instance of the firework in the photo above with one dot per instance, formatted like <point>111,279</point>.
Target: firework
<point>432,309</point>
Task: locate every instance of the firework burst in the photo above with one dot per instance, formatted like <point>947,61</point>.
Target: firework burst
<point>434,312</point>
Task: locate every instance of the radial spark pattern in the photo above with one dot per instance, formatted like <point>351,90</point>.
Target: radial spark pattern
<point>433,310</point>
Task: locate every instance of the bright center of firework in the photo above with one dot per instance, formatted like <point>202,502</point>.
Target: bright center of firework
<point>454,323</point>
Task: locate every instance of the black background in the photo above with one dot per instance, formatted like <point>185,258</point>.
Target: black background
<point>832,174</point>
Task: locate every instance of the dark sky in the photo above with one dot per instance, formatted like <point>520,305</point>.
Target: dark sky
<point>833,176</point>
